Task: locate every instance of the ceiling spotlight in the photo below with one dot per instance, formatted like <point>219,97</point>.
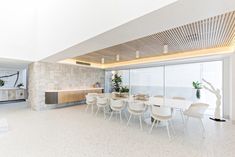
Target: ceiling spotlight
<point>102,60</point>
<point>137,54</point>
<point>165,49</point>
<point>117,58</point>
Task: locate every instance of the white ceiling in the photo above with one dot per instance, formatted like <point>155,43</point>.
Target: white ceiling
<point>35,29</point>
<point>177,14</point>
<point>52,30</point>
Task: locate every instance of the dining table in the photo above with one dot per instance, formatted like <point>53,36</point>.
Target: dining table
<point>157,101</point>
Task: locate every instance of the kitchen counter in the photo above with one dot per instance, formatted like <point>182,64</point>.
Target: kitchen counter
<point>68,96</point>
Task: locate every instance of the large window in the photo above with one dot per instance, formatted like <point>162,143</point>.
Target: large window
<point>147,81</point>
<point>172,81</point>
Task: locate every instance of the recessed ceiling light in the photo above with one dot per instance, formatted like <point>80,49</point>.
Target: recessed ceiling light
<point>117,57</point>
<point>137,54</point>
<point>165,49</point>
<point>102,60</point>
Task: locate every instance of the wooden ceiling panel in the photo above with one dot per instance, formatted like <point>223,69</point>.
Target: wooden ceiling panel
<point>218,31</point>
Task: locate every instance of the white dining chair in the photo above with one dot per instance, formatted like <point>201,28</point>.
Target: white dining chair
<point>101,102</point>
<point>90,101</point>
<point>179,109</point>
<point>196,110</point>
<point>116,107</point>
<point>162,114</point>
<point>136,108</point>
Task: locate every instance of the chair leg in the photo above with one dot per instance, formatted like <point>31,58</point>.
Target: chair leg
<point>97,111</point>
<point>129,119</point>
<point>140,122</point>
<point>203,128</point>
<point>104,113</point>
<point>92,108</point>
<point>125,115</point>
<point>186,124</point>
<point>87,107</point>
<point>111,115</point>
<point>172,127</point>
<point>167,128</point>
<point>182,116</point>
<point>120,112</point>
<point>157,123</point>
<point>152,126</point>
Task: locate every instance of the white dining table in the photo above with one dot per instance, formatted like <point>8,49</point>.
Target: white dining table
<point>168,102</point>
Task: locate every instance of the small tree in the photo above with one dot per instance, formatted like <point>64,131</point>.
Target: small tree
<point>116,82</point>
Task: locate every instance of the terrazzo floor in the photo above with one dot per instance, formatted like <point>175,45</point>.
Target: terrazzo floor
<point>71,132</point>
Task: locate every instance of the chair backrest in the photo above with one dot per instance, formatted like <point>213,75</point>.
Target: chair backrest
<point>92,94</point>
<point>198,108</point>
<point>178,98</point>
<point>163,111</point>
<point>154,100</point>
<point>116,103</point>
<point>136,106</point>
<point>90,99</point>
<point>141,97</point>
<point>101,100</point>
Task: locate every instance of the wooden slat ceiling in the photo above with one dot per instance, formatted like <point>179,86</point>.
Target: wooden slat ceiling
<point>218,31</point>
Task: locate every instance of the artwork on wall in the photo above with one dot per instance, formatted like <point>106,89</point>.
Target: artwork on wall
<point>2,82</point>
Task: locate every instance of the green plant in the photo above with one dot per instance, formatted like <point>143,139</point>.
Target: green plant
<point>197,85</point>
<point>124,90</point>
<point>2,83</point>
<point>116,82</point>
<point>20,85</point>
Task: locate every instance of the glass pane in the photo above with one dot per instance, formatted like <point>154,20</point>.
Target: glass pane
<point>108,82</point>
<point>147,81</point>
<point>179,78</point>
<point>108,79</point>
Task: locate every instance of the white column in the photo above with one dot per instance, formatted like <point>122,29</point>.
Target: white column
<point>232,89</point>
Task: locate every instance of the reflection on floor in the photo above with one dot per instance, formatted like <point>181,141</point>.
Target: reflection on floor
<point>71,132</point>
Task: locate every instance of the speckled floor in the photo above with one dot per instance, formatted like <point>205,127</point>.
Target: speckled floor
<point>71,132</point>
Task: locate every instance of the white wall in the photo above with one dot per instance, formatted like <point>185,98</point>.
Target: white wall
<point>17,29</point>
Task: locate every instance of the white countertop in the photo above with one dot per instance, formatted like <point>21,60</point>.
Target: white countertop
<point>68,90</point>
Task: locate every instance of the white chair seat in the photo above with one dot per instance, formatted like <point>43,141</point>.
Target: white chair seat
<point>197,110</point>
<point>161,118</point>
<point>193,114</point>
<point>101,102</point>
<point>117,106</point>
<point>136,108</point>
<point>163,114</point>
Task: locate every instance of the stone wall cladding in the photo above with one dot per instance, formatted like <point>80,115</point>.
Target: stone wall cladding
<point>54,76</point>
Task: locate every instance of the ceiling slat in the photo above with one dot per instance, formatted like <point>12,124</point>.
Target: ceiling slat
<point>218,31</point>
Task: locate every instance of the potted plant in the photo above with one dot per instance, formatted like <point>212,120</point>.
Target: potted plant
<point>20,85</point>
<point>198,86</point>
<point>124,91</point>
<point>116,82</point>
<point>2,83</point>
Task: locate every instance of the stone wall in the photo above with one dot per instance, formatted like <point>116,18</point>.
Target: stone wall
<point>54,76</point>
